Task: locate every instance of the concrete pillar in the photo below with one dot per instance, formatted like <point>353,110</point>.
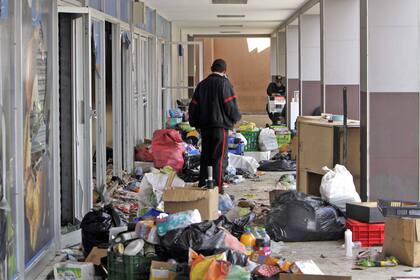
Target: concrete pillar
<point>310,63</point>
<point>273,55</point>
<point>281,53</point>
<point>292,66</point>
<point>390,51</point>
<point>292,59</point>
<point>340,61</point>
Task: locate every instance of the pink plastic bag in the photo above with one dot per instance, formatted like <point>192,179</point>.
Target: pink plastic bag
<point>168,149</point>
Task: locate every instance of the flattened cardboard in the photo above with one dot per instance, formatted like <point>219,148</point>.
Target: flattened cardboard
<point>402,240</point>
<point>96,255</point>
<point>367,212</point>
<point>182,199</point>
<point>307,267</point>
<point>312,277</point>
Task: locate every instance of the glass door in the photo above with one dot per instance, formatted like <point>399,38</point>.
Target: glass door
<point>98,104</point>
<point>75,120</point>
<point>190,64</point>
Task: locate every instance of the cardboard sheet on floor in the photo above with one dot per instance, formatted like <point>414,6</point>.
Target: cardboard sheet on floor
<point>96,255</point>
<point>312,277</point>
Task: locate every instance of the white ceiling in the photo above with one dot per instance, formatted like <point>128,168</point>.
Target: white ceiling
<point>200,16</point>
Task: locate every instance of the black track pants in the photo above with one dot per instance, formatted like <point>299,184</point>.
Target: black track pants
<point>214,153</point>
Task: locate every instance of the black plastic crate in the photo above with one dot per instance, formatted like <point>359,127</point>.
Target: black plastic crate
<point>399,208</point>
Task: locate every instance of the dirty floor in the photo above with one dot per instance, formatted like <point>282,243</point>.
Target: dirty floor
<point>329,256</point>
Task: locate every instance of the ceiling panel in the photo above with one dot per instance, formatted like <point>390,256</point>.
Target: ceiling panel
<point>260,15</point>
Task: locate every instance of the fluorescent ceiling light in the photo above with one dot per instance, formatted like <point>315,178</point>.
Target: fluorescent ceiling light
<point>259,44</point>
<point>230,32</point>
<point>230,16</point>
<point>232,25</point>
<point>243,2</point>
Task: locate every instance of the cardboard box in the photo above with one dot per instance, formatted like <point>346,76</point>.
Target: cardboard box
<point>162,271</point>
<point>367,212</point>
<point>74,271</point>
<point>402,240</point>
<point>312,277</point>
<point>182,199</point>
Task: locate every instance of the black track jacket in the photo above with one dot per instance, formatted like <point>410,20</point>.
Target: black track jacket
<point>214,104</point>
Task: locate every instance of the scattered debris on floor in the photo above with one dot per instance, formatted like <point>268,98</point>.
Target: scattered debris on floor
<point>155,223</point>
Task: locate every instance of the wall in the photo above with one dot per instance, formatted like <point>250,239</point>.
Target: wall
<point>249,72</point>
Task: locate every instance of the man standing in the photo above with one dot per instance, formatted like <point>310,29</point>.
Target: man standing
<point>214,110</point>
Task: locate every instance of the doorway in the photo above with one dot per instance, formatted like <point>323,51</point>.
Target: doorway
<point>75,185</point>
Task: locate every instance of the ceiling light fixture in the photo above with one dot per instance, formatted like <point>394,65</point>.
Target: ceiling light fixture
<point>230,16</point>
<point>227,2</point>
<point>230,32</point>
<point>232,25</point>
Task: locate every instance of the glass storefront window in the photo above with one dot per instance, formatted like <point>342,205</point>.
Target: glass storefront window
<point>125,10</point>
<point>111,7</point>
<point>96,4</point>
<point>39,220</point>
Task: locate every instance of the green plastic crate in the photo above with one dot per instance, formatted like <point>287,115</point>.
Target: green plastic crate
<point>128,267</point>
<point>284,139</point>
<point>252,140</point>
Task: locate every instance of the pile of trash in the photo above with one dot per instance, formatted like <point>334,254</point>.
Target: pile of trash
<point>181,245</point>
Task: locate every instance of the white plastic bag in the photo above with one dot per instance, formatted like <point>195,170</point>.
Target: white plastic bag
<point>152,186</point>
<point>243,162</point>
<point>268,140</point>
<point>337,187</point>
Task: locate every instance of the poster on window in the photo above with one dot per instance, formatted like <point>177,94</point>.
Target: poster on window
<point>36,124</point>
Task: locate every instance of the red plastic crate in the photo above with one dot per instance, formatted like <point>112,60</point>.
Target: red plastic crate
<point>368,234</point>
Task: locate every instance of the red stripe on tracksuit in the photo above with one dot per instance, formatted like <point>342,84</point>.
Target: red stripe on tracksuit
<point>222,158</point>
<point>194,102</point>
<point>229,99</point>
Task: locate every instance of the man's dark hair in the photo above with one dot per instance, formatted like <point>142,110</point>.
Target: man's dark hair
<point>219,65</point>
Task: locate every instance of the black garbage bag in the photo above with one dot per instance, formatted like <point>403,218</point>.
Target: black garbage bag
<point>277,165</point>
<point>236,227</point>
<point>192,162</point>
<point>182,271</point>
<point>95,227</point>
<point>299,217</point>
<point>207,238</point>
<point>189,175</point>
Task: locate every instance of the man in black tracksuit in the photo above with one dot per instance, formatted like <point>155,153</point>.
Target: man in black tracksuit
<point>213,110</point>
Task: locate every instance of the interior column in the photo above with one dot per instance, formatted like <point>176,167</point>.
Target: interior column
<point>390,99</point>
<point>341,55</point>
<point>310,63</point>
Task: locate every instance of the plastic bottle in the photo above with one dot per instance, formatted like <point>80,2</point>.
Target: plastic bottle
<point>267,242</point>
<point>248,240</point>
<point>348,243</point>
